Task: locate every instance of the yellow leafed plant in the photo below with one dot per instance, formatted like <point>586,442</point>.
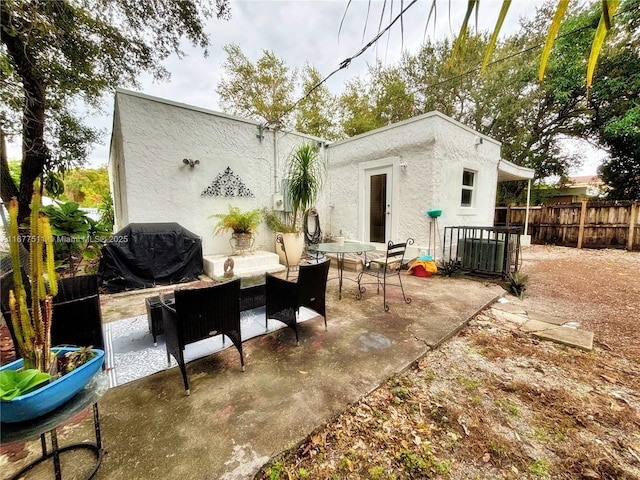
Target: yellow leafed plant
<point>32,322</point>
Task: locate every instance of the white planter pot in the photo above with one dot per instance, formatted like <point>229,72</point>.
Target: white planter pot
<point>294,245</point>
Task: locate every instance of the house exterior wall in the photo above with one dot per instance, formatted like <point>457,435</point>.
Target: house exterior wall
<point>153,185</point>
<point>117,170</point>
<point>436,150</point>
<point>425,155</point>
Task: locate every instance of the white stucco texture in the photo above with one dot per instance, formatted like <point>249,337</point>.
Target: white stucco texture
<point>423,159</point>
<point>151,183</point>
<point>427,156</point>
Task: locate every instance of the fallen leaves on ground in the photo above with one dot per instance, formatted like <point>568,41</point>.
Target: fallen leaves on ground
<point>494,402</point>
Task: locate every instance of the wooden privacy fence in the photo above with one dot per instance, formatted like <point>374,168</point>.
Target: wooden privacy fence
<point>598,224</point>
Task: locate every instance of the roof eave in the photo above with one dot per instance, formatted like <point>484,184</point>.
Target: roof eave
<point>508,172</point>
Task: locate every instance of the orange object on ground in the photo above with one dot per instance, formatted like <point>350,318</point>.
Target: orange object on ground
<point>423,268</point>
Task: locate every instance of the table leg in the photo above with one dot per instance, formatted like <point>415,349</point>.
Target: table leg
<point>96,426</point>
<point>340,257</point>
<point>43,445</point>
<point>56,454</point>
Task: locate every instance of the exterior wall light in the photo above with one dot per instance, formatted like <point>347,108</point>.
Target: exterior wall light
<point>190,162</point>
<point>403,166</point>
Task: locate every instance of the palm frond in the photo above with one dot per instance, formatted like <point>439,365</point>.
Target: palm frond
<point>608,9</point>
<point>494,37</point>
<point>461,40</point>
<point>551,36</point>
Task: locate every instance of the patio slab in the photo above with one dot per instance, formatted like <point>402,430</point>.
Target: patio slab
<point>233,421</point>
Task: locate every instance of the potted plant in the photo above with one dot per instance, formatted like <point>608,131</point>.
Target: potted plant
<point>33,385</point>
<point>303,180</point>
<point>242,225</point>
<point>284,230</point>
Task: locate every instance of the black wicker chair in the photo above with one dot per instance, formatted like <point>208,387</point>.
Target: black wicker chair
<point>284,298</point>
<point>77,319</point>
<point>200,313</point>
<point>383,268</point>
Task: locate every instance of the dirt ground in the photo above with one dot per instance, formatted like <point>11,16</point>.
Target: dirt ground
<point>494,402</point>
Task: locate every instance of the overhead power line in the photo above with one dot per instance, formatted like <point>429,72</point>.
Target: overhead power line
<point>345,63</point>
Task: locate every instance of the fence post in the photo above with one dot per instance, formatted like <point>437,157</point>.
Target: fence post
<point>633,218</point>
<point>583,213</point>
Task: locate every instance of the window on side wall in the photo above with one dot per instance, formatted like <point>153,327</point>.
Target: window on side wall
<point>468,185</point>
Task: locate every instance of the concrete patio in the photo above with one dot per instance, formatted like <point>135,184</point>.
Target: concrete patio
<point>234,422</point>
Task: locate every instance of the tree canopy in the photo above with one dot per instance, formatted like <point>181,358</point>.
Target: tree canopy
<point>88,187</point>
<point>616,105</point>
<point>56,54</point>
<point>265,91</point>
<point>532,119</point>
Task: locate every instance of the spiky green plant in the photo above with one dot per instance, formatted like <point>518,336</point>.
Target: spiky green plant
<point>517,284</point>
<point>448,268</point>
<point>305,172</point>
<point>275,223</point>
<point>32,326</point>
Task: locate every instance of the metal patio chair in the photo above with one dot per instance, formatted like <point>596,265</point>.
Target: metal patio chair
<point>77,319</point>
<point>381,269</point>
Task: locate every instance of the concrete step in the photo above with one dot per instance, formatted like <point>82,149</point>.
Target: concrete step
<point>572,337</point>
<point>546,327</point>
<point>247,265</point>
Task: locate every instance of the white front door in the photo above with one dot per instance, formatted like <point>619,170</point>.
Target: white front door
<point>378,205</point>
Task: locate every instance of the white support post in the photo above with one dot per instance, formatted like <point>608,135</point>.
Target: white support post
<point>526,217</point>
<point>525,240</point>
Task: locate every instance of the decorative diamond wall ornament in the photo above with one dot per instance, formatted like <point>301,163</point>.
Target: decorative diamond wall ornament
<point>227,184</point>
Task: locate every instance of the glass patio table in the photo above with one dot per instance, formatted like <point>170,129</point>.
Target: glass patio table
<point>340,250</point>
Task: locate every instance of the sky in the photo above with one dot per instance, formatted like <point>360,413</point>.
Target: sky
<point>306,31</point>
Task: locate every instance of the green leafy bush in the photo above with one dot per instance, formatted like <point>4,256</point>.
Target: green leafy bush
<point>238,221</point>
<point>77,236</point>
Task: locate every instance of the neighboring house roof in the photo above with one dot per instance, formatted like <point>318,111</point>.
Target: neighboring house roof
<point>586,179</point>
<point>576,188</point>
<point>587,185</point>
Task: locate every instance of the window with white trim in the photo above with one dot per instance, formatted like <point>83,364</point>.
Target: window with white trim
<point>468,183</point>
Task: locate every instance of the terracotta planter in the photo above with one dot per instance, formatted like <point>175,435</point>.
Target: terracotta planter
<point>52,395</point>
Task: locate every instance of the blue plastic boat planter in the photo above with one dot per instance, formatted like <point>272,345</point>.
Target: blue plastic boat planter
<point>54,394</point>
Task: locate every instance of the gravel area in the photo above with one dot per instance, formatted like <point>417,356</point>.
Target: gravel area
<point>598,289</point>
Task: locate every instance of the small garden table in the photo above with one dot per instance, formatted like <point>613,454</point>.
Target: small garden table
<point>340,250</point>
<point>23,431</point>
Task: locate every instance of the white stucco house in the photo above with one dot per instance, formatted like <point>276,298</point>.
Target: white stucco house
<point>171,162</point>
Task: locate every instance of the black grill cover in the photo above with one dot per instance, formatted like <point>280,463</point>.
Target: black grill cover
<point>143,255</point>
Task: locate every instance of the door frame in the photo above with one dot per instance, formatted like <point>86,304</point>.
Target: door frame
<point>390,166</point>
